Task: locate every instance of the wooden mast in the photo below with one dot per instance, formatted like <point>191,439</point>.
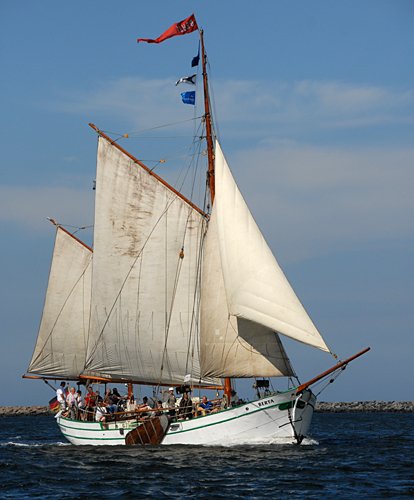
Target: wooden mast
<point>207,118</point>
<point>211,158</point>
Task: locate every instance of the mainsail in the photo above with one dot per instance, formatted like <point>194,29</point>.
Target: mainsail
<point>61,343</point>
<point>146,267</point>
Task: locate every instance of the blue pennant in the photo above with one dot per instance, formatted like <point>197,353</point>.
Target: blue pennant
<point>188,97</point>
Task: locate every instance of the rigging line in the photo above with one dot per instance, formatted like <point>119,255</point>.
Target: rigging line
<point>123,332</point>
<point>174,290</point>
<point>195,314</point>
<point>226,357</point>
<point>86,316</point>
<point>158,137</point>
<point>330,381</point>
<point>175,287</point>
<point>138,313</point>
<point>196,167</point>
<point>192,156</point>
<point>194,325</point>
<point>152,128</point>
<point>61,311</point>
<point>165,298</point>
<point>78,228</point>
<point>216,133</point>
<point>168,315</point>
<point>196,145</point>
<point>173,198</point>
<point>180,153</point>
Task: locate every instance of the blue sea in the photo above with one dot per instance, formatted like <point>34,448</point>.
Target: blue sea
<point>368,455</point>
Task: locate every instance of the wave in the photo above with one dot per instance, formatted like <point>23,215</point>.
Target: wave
<point>31,444</point>
<point>263,441</point>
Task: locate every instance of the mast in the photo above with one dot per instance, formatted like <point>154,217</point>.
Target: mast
<point>211,158</point>
<point>207,117</point>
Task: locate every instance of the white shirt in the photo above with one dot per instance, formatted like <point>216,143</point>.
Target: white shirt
<point>60,395</point>
<point>71,399</point>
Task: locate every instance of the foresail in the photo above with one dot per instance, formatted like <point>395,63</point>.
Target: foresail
<point>230,346</point>
<point>256,288</point>
<point>61,344</point>
<point>144,314</point>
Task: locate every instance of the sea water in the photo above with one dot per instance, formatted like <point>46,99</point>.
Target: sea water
<point>367,455</point>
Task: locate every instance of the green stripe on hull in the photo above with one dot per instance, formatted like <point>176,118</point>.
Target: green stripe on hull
<point>96,430</point>
<point>227,420</point>
<point>122,440</point>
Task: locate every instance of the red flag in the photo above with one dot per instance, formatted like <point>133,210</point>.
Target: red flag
<point>182,28</point>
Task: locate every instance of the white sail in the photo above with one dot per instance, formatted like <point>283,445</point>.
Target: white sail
<point>256,288</point>
<point>61,344</point>
<point>230,346</point>
<point>144,313</point>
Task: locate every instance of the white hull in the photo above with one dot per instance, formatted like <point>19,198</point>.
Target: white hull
<point>94,433</point>
<point>277,417</point>
<point>260,421</point>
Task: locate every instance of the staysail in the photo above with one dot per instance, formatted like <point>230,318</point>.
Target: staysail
<point>256,288</point>
<point>146,267</point>
<point>230,346</point>
<point>61,343</point>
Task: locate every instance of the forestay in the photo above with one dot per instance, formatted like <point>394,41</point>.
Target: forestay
<point>61,343</point>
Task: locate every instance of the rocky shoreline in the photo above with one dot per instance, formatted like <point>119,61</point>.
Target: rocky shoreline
<point>24,411</point>
<point>321,407</point>
<point>366,406</point>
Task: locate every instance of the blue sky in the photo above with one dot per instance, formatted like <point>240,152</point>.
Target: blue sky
<point>314,105</point>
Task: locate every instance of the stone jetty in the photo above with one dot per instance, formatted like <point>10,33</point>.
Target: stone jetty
<point>321,407</point>
<point>23,411</point>
<point>366,406</point>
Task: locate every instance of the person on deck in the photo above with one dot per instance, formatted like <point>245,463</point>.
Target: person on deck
<point>111,407</point>
<point>117,399</point>
<point>185,409</point>
<point>71,402</point>
<point>144,406</point>
<point>234,399</point>
<point>159,407</point>
<point>80,404</point>
<point>171,401</point>
<point>99,398</point>
<point>61,398</point>
<point>100,415</point>
<point>205,406</point>
<point>90,400</point>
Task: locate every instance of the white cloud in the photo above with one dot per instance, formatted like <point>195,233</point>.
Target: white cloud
<point>266,104</point>
<point>311,104</point>
<point>312,201</point>
<point>140,103</point>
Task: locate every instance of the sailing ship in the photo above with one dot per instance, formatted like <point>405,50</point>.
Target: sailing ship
<point>172,294</point>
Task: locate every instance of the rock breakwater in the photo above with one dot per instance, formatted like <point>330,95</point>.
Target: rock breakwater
<point>366,406</point>
<point>19,411</point>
